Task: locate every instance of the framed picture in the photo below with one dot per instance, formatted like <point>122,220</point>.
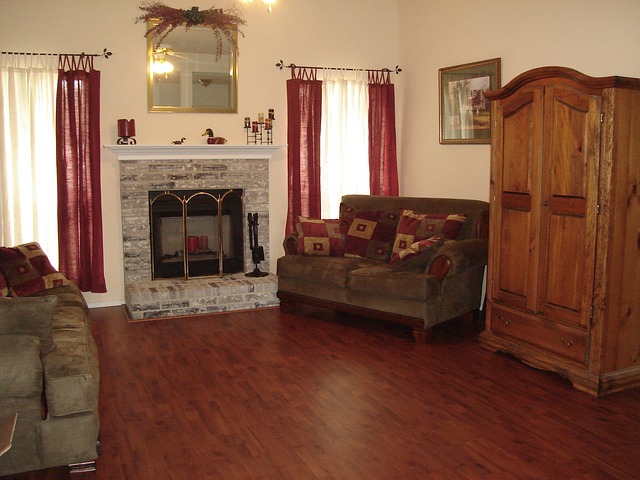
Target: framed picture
<point>465,114</point>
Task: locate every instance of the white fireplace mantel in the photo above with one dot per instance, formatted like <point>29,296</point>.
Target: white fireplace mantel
<point>186,152</point>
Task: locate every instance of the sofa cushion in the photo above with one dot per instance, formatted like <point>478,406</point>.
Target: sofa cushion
<point>320,237</point>
<point>325,270</point>
<point>71,370</point>
<point>417,255</point>
<point>20,366</point>
<point>414,226</point>
<point>381,280</point>
<point>368,233</point>
<point>28,270</point>
<point>30,316</point>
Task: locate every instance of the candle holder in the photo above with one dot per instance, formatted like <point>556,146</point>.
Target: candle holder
<point>260,132</point>
<point>126,132</point>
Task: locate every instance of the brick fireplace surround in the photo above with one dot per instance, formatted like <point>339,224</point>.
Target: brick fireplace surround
<point>145,168</point>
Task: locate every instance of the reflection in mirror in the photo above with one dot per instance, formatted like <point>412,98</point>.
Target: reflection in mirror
<point>188,72</point>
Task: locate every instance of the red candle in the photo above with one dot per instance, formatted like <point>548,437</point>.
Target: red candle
<point>123,128</point>
<point>193,243</point>
<point>126,128</point>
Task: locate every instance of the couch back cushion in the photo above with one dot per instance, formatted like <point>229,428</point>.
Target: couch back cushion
<point>321,237</point>
<point>368,233</point>
<point>28,270</point>
<point>415,226</point>
<point>417,255</point>
<point>29,316</point>
<point>477,211</point>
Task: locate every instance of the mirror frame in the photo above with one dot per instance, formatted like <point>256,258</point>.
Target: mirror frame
<point>176,109</point>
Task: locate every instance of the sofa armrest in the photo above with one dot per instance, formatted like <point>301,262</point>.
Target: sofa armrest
<point>455,257</point>
<point>290,244</point>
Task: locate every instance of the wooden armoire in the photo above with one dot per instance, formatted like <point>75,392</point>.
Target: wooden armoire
<point>563,289</point>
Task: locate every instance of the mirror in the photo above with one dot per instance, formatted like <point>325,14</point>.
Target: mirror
<point>188,72</point>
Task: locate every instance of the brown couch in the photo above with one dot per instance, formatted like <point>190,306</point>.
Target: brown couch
<point>49,375</point>
<point>447,286</point>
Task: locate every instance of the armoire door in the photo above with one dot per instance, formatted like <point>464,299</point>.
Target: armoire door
<point>545,182</point>
<point>515,208</point>
<point>569,193</point>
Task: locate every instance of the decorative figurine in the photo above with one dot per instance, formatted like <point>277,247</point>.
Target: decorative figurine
<point>212,140</point>
<point>179,142</point>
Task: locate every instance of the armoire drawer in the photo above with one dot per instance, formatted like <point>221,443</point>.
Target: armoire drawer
<point>524,329</point>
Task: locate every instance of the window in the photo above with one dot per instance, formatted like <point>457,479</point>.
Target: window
<point>28,199</point>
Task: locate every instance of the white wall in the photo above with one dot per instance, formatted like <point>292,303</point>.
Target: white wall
<point>596,37</point>
<point>354,33</point>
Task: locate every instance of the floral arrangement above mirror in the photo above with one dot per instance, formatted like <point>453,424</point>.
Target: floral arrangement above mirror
<point>165,19</point>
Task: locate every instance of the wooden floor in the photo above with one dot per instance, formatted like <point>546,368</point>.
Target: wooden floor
<point>266,395</point>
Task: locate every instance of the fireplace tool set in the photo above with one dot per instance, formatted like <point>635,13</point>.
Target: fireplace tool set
<point>257,251</point>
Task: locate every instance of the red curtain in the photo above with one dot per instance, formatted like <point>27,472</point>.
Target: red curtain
<point>383,166</point>
<point>78,167</point>
<point>304,110</point>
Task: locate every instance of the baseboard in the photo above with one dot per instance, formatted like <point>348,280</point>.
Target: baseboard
<point>110,303</point>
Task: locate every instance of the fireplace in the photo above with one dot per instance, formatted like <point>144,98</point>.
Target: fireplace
<point>179,169</point>
<point>196,233</point>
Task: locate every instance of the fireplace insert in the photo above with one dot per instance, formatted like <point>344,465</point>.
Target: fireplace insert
<point>196,233</point>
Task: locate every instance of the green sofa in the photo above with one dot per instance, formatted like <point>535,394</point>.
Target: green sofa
<point>446,285</point>
<point>49,375</point>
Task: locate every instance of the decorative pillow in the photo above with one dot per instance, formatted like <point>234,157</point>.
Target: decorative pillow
<point>30,316</point>
<point>320,237</point>
<point>28,270</point>
<point>4,288</point>
<point>414,226</point>
<point>368,233</point>
<point>417,255</point>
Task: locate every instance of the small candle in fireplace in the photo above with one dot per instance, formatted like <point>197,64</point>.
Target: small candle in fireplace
<point>204,242</point>
<point>192,244</point>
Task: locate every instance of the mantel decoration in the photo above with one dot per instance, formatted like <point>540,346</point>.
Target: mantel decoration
<point>167,19</point>
<point>260,132</point>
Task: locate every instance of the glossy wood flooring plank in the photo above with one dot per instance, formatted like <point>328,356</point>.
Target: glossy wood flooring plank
<point>267,395</point>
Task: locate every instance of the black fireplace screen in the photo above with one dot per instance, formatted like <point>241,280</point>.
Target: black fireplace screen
<point>196,233</point>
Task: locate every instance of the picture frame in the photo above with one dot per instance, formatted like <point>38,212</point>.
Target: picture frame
<point>465,114</point>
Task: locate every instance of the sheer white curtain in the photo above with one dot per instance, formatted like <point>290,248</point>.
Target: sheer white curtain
<point>344,144</point>
<point>28,193</point>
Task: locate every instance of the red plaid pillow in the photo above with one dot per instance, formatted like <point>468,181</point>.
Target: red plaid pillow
<point>417,255</point>
<point>320,237</point>
<point>368,233</point>
<point>4,288</point>
<point>414,227</point>
<point>28,270</point>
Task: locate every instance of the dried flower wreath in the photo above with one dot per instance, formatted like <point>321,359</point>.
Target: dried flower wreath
<point>166,19</point>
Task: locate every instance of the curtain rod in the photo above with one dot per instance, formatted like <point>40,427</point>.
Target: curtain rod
<point>281,65</point>
<point>105,54</point>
